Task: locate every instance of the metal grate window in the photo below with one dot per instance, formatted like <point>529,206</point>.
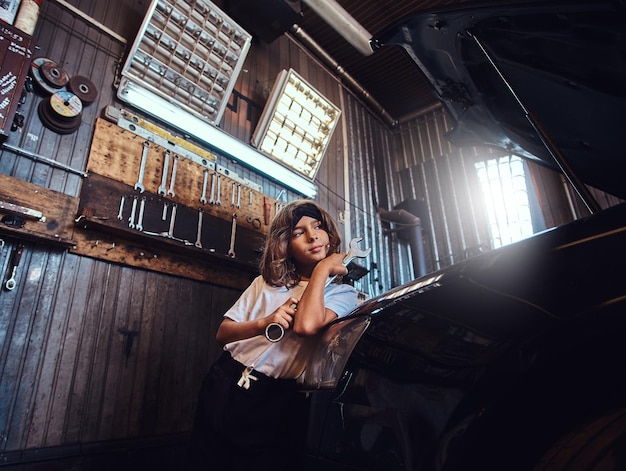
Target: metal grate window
<point>503,182</point>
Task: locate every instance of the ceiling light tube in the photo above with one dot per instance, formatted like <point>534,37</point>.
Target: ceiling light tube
<point>214,137</point>
<point>342,22</point>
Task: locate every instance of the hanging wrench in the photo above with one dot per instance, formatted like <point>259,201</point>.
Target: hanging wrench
<point>144,156</point>
<point>170,190</point>
<point>213,179</point>
<point>120,216</point>
<point>199,235</point>
<point>204,183</point>
<point>233,230</point>
<point>131,219</point>
<point>170,232</point>
<point>166,167</point>
<point>17,256</point>
<point>142,207</point>
<point>218,200</point>
<point>353,252</point>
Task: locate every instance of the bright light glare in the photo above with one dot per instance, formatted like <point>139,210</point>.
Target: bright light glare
<point>506,197</point>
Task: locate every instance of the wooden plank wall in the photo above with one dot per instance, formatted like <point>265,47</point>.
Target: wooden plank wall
<point>69,373</point>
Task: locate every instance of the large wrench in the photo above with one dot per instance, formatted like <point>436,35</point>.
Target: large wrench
<point>353,252</point>
<point>274,331</point>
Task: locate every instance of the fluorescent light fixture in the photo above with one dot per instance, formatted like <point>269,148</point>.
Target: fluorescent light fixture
<point>189,53</point>
<point>214,137</point>
<point>296,125</point>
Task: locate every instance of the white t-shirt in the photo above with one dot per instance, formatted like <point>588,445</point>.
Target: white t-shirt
<point>287,357</point>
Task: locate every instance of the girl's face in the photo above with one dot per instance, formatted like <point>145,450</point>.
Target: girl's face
<point>308,245</point>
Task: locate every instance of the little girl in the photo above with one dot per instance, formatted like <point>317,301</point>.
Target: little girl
<point>250,413</point>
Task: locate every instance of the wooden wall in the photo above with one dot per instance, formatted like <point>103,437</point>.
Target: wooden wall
<point>96,348</point>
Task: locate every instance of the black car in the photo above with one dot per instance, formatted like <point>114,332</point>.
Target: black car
<point>514,359</point>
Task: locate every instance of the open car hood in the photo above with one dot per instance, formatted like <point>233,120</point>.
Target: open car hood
<point>530,78</point>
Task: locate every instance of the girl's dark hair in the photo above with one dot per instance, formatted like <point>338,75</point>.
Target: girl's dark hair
<point>276,265</point>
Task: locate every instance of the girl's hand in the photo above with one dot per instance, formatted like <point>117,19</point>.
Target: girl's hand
<point>334,264</point>
<point>283,315</point>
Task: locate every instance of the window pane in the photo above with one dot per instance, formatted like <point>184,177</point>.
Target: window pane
<point>506,197</point>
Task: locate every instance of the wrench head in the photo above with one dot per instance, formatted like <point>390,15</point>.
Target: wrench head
<point>355,251</point>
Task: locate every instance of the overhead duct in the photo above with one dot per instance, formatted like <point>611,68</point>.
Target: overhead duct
<point>342,22</point>
<point>409,228</point>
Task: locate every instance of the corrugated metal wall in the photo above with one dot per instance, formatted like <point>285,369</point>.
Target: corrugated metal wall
<point>427,168</point>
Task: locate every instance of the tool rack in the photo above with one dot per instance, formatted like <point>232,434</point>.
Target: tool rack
<point>163,193</point>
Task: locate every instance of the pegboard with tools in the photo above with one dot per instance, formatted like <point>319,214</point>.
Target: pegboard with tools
<point>147,183</point>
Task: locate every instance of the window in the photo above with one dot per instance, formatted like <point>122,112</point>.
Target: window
<point>504,185</point>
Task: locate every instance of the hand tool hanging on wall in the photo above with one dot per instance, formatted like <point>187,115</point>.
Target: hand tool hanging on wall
<point>170,190</point>
<point>133,211</point>
<point>166,167</point>
<point>120,214</point>
<point>142,168</point>
<point>15,262</point>
<point>199,232</point>
<point>142,207</point>
<point>233,230</point>
<point>170,232</point>
<point>213,180</point>
<point>218,196</point>
<point>204,185</point>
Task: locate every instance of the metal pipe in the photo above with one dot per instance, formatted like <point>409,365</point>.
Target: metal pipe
<point>342,22</point>
<point>45,160</point>
<point>309,42</point>
<point>409,227</point>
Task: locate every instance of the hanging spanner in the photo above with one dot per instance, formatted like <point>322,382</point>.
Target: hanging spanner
<point>204,184</point>
<point>170,190</point>
<point>170,232</point>
<point>133,211</point>
<point>17,256</point>
<point>233,231</point>
<point>213,180</point>
<point>166,168</point>
<point>199,231</point>
<point>218,196</point>
<point>144,156</point>
<point>142,207</point>
<point>120,214</point>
